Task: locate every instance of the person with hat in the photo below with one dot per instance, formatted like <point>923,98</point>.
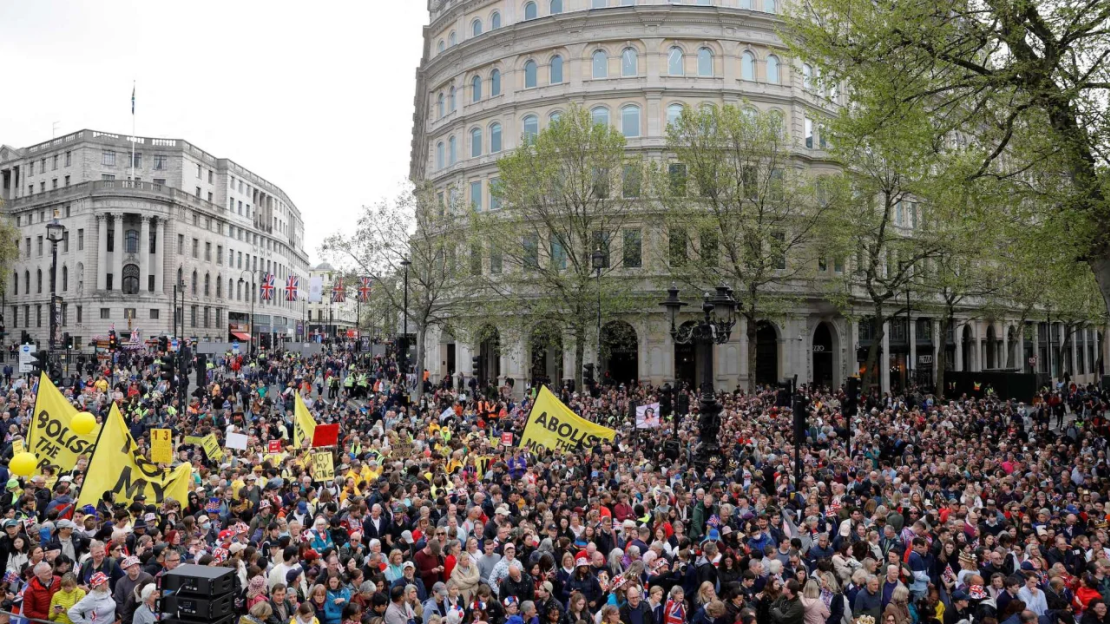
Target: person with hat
<point>98,606</point>
<point>66,540</point>
<point>124,592</point>
<point>585,583</point>
<point>409,577</point>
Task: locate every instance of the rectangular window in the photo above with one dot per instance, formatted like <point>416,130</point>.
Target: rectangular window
<point>198,192</point>
<point>633,178</point>
<point>778,250</point>
<point>207,314</point>
<point>65,241</point>
<point>69,158</point>
<point>198,177</point>
<point>108,159</point>
<point>495,261</point>
<point>38,316</point>
<point>67,180</point>
<point>208,252</point>
<point>81,239</point>
<point>531,252</point>
<point>219,254</point>
<point>154,314</point>
<point>196,248</point>
<point>65,315</point>
<point>193,309</point>
<point>79,309</point>
<point>105,313</point>
<point>107,177</point>
<point>809,133</point>
<point>708,243</point>
<point>676,174</point>
<point>181,244</point>
<point>138,160</point>
<point>632,249</point>
<point>476,196</point>
<point>494,193</point>
<point>558,255</point>
<point>160,162</point>
<point>38,244</point>
<point>108,281</point>
<point>28,245</point>
<point>676,246</point>
<point>54,166</point>
<point>475,259</point>
<point>210,176</point>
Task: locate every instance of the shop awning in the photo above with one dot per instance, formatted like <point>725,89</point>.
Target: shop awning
<point>244,336</point>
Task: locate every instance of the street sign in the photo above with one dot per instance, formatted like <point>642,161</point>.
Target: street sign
<point>173,345</point>
<point>235,347</point>
<point>26,358</point>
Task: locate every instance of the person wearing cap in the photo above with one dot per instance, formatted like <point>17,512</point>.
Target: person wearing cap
<point>97,607</point>
<point>124,591</point>
<point>960,609</point>
<point>408,577</point>
<point>67,541</point>
<point>584,582</point>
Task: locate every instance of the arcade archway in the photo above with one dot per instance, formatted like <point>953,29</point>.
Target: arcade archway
<point>766,353</point>
<point>620,353</point>
<point>826,356</point>
<point>546,348</point>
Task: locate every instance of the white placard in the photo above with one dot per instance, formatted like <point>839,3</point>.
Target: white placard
<point>237,441</point>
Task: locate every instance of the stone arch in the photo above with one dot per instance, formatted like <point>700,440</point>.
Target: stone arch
<point>967,347</point>
<point>768,352</point>
<point>620,353</point>
<point>825,345</point>
<point>488,352</point>
<point>991,348</point>
<point>545,354</point>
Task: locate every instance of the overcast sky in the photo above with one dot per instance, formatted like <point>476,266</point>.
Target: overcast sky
<point>315,97</point>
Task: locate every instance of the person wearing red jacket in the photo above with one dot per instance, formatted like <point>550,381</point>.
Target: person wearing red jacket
<point>39,592</point>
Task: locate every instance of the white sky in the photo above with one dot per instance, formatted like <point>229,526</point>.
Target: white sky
<point>315,97</point>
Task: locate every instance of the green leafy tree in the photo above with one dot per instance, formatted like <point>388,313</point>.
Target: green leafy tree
<point>1020,88</point>
<point>739,210</point>
<point>564,194</point>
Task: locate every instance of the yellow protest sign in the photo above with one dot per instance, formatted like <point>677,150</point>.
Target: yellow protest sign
<point>161,446</point>
<point>322,467</point>
<point>554,426</point>
<point>118,468</point>
<point>17,447</point>
<point>212,447</point>
<point>304,425</point>
<point>50,437</point>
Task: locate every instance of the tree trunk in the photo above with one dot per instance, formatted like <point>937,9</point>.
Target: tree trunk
<point>752,351</point>
<point>942,353</point>
<point>418,369</point>
<point>870,377</point>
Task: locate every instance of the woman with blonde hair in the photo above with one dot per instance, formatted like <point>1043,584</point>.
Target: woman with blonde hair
<point>706,594</point>
<point>816,611</point>
<point>899,606</point>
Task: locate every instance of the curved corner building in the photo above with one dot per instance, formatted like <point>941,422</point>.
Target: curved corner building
<point>495,70</point>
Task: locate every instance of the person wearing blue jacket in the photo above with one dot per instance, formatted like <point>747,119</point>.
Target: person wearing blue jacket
<point>338,597</point>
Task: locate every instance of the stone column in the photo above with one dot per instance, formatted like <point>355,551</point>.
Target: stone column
<point>1072,368</point>
<point>144,254</point>
<point>911,364</point>
<point>884,359</point>
<point>160,256</point>
<point>939,342</point>
<point>1006,348</point>
<point>101,251</point>
<point>1036,346</point>
<point>742,330</point>
<point>117,251</point>
<point>958,333</point>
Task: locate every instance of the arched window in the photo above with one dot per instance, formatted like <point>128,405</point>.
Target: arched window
<point>131,241</point>
<point>441,46</point>
<point>556,69</point>
<point>530,11</point>
<point>476,28</point>
<point>769,6</point>
<point>630,62</point>
<point>529,74</point>
<point>475,142</point>
<point>495,21</point>
<point>674,111</point>
<point>439,155</point>
<point>531,125</point>
<point>441,102</point>
<point>38,281</point>
<point>555,116</point>
<point>452,154</point>
<point>747,66</point>
<point>452,39</point>
<point>773,70</point>
<point>207,284</point>
<point>495,83</point>
<point>630,121</point>
<point>195,280</point>
<point>675,62</point>
<point>131,279</point>
<point>601,64</point>
<point>65,278</point>
<point>27,282</point>
<point>451,99</point>
<point>219,288</point>
<point>600,115</point>
<point>495,138</point>
<point>476,89</point>
<point>778,122</point>
<point>15,282</point>
<point>807,76</point>
<point>556,7</point>
<point>705,62</point>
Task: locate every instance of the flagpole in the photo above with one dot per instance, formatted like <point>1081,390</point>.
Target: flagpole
<point>132,132</point>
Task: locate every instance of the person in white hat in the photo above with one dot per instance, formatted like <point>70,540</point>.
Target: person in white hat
<point>124,592</point>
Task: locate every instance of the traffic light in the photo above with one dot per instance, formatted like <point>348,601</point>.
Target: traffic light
<point>475,364</point>
<point>41,362</point>
<point>168,370</point>
<point>67,340</point>
<point>588,375</point>
<point>801,422</point>
<point>113,340</point>
<point>163,344</point>
<point>665,404</point>
<point>202,370</point>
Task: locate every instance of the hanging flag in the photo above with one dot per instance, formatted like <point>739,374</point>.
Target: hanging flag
<point>338,293</point>
<point>132,98</point>
<point>267,287</point>
<point>364,289</point>
<point>291,285</point>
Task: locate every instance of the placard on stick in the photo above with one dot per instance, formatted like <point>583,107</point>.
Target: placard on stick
<point>325,435</point>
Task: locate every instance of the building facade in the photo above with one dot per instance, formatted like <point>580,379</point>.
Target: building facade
<point>328,320</point>
<point>174,215</point>
<point>495,71</point>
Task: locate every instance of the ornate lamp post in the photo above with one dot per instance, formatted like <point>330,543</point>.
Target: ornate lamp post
<point>597,262</point>
<point>713,329</point>
<point>55,232</point>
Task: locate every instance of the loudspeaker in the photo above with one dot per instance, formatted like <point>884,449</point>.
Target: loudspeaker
<point>199,581</point>
<point>194,608</point>
<point>228,619</point>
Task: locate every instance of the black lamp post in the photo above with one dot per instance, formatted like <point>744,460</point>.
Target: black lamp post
<point>597,261</point>
<point>55,232</point>
<point>404,341</point>
<point>713,329</point>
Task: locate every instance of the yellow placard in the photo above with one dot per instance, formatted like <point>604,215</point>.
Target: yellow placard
<point>118,468</point>
<point>17,447</point>
<point>49,436</point>
<point>322,467</point>
<point>161,446</point>
<point>212,447</point>
<point>304,425</point>
<point>553,425</point>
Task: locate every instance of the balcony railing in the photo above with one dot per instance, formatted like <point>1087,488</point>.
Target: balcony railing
<point>113,187</point>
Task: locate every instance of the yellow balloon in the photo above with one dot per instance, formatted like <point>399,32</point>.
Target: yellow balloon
<point>83,423</point>
<point>23,464</point>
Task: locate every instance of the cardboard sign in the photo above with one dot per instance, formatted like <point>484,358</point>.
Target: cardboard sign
<point>161,446</point>
<point>212,447</point>
<point>273,447</point>
<point>237,441</point>
<point>17,447</point>
<point>507,438</point>
<point>325,435</point>
<point>322,467</point>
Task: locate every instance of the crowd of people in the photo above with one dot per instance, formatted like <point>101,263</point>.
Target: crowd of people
<point>975,509</point>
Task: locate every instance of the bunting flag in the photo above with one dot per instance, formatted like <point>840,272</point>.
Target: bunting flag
<point>291,285</point>
<point>364,289</point>
<point>267,288</point>
<point>338,293</point>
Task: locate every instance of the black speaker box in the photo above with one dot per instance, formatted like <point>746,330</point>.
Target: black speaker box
<point>199,581</point>
<point>196,608</point>
<point>230,619</point>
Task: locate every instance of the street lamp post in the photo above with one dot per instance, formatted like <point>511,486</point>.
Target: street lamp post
<point>54,233</point>
<point>713,329</point>
<point>404,353</point>
<point>597,261</point>
<point>250,321</point>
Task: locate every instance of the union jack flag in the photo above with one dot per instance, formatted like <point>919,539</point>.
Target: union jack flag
<point>364,289</point>
<point>291,284</point>
<point>338,293</point>
<point>267,287</point>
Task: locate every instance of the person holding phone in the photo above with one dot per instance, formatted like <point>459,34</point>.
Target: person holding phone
<point>68,595</point>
